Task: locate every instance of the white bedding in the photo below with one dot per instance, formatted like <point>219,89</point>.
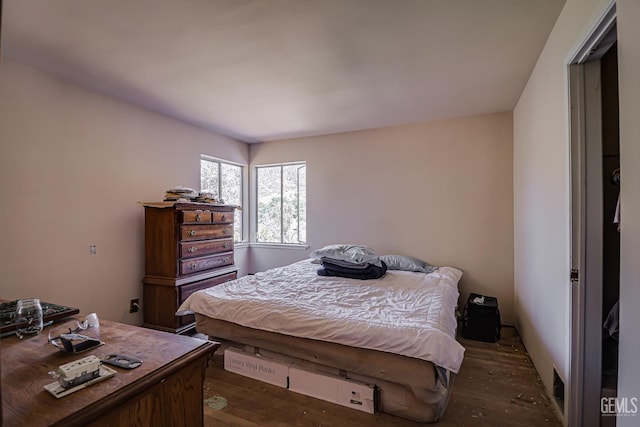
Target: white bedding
<point>403,312</point>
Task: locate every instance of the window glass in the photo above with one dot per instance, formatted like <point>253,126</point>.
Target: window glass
<point>210,177</point>
<point>269,218</point>
<point>281,203</point>
<point>224,180</point>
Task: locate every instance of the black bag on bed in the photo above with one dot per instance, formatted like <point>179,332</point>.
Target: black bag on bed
<point>481,318</point>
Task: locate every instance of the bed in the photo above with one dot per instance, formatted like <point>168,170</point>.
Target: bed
<point>397,332</point>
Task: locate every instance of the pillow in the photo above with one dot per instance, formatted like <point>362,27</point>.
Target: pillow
<point>350,253</point>
<point>407,263</point>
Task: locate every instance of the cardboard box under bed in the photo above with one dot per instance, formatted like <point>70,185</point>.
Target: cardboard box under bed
<point>332,388</point>
<point>409,387</point>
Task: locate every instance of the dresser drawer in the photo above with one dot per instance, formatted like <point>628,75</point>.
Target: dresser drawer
<point>195,265</point>
<point>205,232</point>
<point>186,290</point>
<point>205,247</point>
<point>195,217</point>
<point>224,217</point>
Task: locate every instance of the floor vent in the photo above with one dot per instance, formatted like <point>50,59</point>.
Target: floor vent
<point>558,389</point>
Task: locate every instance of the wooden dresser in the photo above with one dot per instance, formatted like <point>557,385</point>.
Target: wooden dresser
<point>188,247</point>
<point>166,390</point>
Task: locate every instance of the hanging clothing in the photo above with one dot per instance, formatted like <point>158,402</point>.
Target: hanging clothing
<point>616,217</point>
<point>612,322</point>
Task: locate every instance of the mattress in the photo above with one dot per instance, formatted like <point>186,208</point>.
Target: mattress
<point>409,388</point>
<point>397,332</point>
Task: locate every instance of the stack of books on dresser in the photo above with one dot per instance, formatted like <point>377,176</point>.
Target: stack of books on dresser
<point>186,194</point>
<point>180,194</point>
<point>205,197</point>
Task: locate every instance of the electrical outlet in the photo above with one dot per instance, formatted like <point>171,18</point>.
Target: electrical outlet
<point>93,249</point>
<point>134,305</point>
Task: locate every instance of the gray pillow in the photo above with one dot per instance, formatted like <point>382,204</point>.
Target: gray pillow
<point>351,253</point>
<point>407,263</point>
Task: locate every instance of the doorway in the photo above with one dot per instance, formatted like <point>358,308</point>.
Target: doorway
<point>595,248</point>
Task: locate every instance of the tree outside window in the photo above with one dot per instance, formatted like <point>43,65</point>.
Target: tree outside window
<point>282,203</point>
<point>223,180</point>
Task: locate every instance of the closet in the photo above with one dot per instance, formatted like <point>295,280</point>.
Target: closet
<point>610,231</point>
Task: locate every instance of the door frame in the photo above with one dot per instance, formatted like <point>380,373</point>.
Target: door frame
<point>583,405</point>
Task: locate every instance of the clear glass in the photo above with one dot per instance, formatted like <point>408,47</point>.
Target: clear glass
<point>281,204</point>
<point>294,205</point>
<point>28,317</point>
<point>302,203</point>
<point>269,219</point>
<point>232,194</point>
<point>209,174</point>
<point>224,182</point>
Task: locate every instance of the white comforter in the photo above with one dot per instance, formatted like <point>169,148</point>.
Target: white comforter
<point>405,313</point>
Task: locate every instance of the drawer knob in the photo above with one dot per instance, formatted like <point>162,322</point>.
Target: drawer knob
<point>226,245</point>
<point>226,259</point>
<point>198,217</point>
<point>193,233</point>
<point>224,217</point>
<point>225,231</point>
<point>193,265</point>
<point>192,249</point>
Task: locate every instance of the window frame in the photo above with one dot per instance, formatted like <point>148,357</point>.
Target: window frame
<point>242,212</point>
<point>254,210</point>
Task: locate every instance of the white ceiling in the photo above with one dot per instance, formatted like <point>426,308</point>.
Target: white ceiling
<point>260,70</point>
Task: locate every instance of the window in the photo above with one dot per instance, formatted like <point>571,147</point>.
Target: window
<point>223,180</point>
<point>281,203</point>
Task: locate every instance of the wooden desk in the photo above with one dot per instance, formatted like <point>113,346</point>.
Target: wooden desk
<point>166,390</point>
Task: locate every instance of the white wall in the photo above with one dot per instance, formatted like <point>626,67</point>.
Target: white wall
<point>542,197</point>
<point>541,201</point>
<point>438,191</point>
<point>74,164</point>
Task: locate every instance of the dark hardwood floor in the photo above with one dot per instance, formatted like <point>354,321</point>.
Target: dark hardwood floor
<point>496,386</point>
